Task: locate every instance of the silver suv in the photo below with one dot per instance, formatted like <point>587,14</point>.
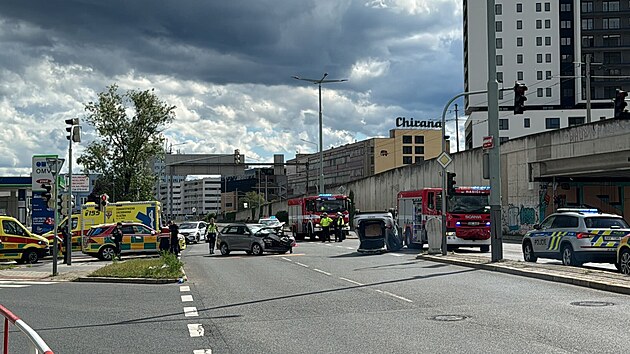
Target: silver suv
<point>576,236</point>
<point>254,239</point>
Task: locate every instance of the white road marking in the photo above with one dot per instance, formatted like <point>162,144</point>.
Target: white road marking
<point>202,351</point>
<point>301,264</point>
<point>195,330</point>
<point>286,259</point>
<point>187,298</point>
<point>349,248</point>
<point>327,244</point>
<point>339,246</point>
<point>184,288</point>
<point>321,271</point>
<point>396,254</point>
<point>13,286</point>
<point>392,295</point>
<point>351,281</point>
<point>26,282</point>
<point>190,312</point>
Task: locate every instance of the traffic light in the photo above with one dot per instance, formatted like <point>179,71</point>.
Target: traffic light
<point>519,98</point>
<point>47,194</point>
<point>65,199</point>
<point>450,183</point>
<point>60,204</point>
<point>237,156</point>
<point>74,130</point>
<point>620,103</point>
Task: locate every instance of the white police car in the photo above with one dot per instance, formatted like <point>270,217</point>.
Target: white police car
<point>576,236</point>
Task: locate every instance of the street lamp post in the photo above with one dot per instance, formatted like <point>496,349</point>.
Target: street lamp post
<point>321,128</point>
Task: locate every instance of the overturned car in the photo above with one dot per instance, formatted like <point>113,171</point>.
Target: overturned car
<point>377,232</point>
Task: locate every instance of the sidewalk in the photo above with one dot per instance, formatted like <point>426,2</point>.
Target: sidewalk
<point>590,278</point>
<point>80,267</point>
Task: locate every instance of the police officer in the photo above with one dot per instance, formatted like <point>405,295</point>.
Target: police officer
<point>325,223</point>
<point>211,235</point>
<point>339,224</point>
<point>174,229</point>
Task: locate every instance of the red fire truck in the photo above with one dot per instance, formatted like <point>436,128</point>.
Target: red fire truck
<point>467,216</point>
<point>305,212</point>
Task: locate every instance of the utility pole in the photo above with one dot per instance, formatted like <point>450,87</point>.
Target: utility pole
<point>456,127</point>
<point>588,88</point>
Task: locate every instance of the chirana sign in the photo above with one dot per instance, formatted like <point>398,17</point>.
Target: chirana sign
<point>403,122</point>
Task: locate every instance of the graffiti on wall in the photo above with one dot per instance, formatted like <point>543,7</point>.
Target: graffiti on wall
<point>521,219</point>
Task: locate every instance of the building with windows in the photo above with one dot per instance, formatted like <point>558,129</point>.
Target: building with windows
<point>361,159</point>
<point>200,195</point>
<point>545,45</point>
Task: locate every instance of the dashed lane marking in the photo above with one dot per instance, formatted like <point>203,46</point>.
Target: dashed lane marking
<point>187,298</point>
<point>286,259</point>
<point>351,281</point>
<point>321,271</point>
<point>190,312</point>
<point>195,330</point>
<point>302,264</point>
<point>396,254</point>
<point>393,295</point>
<point>202,351</point>
<point>349,248</point>
<point>184,288</point>
<point>22,283</point>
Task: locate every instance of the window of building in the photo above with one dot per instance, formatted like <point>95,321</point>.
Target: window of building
<point>504,124</point>
<point>406,139</point>
<point>539,92</point>
<point>538,7</point>
<point>407,160</point>
<point>538,41</point>
<point>610,6</point>
<point>610,23</point>
<point>565,41</point>
<point>519,24</point>
<point>519,76</point>
<point>611,40</point>
<point>526,123</point>
<point>547,41</point>
<point>539,75</point>
<point>519,58</point>
<point>588,41</point>
<point>573,121</point>
<point>519,41</point>
<point>406,149</point>
<point>499,26</point>
<point>539,58</point>
<point>547,23</point>
<point>587,23</point>
<point>610,91</point>
<point>566,58</point>
<point>548,58</point>
<point>499,77</point>
<point>519,7</point>
<point>567,92</point>
<point>548,74</point>
<point>500,95</point>
<point>538,24</point>
<point>614,72</point>
<point>547,6</point>
<point>565,7</point>
<point>548,92</point>
<point>503,139</point>
<point>499,60</point>
<point>419,150</point>
<point>419,139</point>
<point>587,6</point>
<point>419,159</point>
<point>612,57</point>
<point>552,123</point>
<point>498,9</point>
<point>499,44</point>
<point>565,23</point>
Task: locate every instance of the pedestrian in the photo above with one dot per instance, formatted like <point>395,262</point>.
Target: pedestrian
<point>117,236</point>
<point>174,229</point>
<point>339,224</point>
<point>211,235</point>
<point>325,223</point>
<point>165,238</point>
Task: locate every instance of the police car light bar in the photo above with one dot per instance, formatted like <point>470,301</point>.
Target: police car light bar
<point>326,195</point>
<point>474,188</point>
<point>577,210</point>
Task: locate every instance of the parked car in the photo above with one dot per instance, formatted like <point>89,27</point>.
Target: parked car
<point>254,239</point>
<point>271,221</point>
<point>193,231</point>
<point>19,244</point>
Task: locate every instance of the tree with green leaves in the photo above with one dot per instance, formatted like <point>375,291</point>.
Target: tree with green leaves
<point>128,126</point>
<point>253,200</point>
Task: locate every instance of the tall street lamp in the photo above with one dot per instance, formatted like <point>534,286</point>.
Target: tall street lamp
<point>321,143</point>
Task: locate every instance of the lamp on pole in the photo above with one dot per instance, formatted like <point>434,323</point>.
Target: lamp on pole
<point>321,143</point>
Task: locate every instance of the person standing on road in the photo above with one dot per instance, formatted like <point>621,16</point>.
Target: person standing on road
<point>211,235</point>
<point>165,238</point>
<point>325,223</point>
<point>339,224</point>
<point>117,236</point>
<point>174,229</point>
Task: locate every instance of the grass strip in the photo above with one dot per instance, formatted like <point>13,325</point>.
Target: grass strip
<point>167,266</point>
<point>7,266</point>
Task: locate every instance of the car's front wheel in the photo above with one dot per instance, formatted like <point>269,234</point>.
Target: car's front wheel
<point>528,252</point>
<point>257,249</point>
<point>224,249</point>
<point>624,261</point>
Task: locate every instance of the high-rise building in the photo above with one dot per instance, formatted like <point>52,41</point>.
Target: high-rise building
<point>545,45</point>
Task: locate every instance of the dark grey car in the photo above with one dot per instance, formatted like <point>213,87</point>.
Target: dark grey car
<point>253,239</point>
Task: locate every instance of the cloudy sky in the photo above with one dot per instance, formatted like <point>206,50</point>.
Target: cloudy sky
<point>227,66</point>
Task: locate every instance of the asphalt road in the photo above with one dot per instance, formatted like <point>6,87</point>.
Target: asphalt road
<point>323,298</point>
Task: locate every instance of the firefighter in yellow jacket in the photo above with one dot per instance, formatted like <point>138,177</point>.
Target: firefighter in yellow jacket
<point>325,223</point>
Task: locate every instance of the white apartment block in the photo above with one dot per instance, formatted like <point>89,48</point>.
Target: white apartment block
<point>543,44</point>
<point>201,195</point>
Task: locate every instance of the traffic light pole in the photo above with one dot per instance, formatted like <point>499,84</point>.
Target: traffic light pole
<point>56,217</point>
<point>68,239</point>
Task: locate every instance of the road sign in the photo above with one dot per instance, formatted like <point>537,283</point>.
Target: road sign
<point>41,173</point>
<point>444,159</point>
<point>488,142</point>
<point>80,183</point>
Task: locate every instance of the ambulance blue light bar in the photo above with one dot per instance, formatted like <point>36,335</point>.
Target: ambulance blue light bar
<point>326,195</point>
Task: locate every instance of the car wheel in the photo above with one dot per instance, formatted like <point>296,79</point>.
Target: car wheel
<point>197,238</point>
<point>107,253</point>
<point>224,249</point>
<point>30,257</point>
<point>257,249</point>
<point>568,256</point>
<point>624,261</point>
<point>484,249</point>
<point>528,252</point>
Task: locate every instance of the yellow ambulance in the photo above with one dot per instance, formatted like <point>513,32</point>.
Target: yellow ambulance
<point>19,244</point>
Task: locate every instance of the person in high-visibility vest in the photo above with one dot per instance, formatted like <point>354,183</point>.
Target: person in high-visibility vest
<point>211,235</point>
<point>325,223</point>
<point>339,224</point>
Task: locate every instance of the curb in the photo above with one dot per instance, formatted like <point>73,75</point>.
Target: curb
<point>127,280</point>
<point>497,267</point>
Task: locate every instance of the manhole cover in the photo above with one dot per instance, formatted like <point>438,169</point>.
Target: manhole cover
<point>592,303</point>
<point>448,318</point>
